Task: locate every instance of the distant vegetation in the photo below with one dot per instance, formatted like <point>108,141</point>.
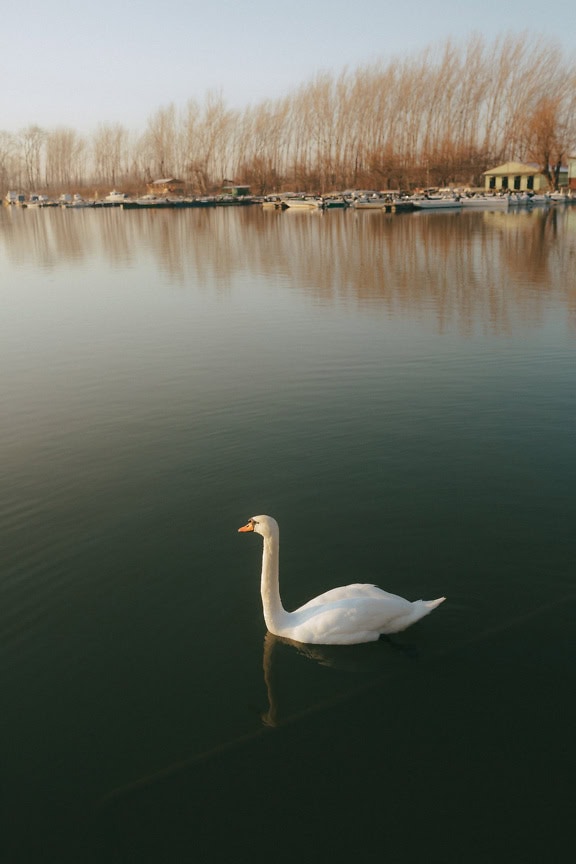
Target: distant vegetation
<point>442,117</point>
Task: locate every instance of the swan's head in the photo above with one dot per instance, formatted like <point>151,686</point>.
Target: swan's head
<point>264,525</point>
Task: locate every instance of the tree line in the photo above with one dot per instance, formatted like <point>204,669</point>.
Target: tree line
<point>439,118</point>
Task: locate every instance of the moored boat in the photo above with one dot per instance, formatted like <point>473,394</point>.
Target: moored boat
<point>486,201</point>
<point>335,202</point>
<point>36,200</point>
<point>529,199</point>
<point>369,202</point>
<point>78,201</point>
<point>541,200</point>
<point>436,202</point>
<point>306,203</point>
<point>115,197</point>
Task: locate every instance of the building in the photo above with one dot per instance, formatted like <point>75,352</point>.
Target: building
<point>166,186</point>
<point>515,177</point>
<point>15,198</point>
<point>235,190</point>
<point>572,173</point>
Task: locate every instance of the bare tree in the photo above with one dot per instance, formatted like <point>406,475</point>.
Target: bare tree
<point>160,142</point>
<point>207,140</point>
<point>551,131</point>
<point>110,153</point>
<point>32,144</point>
<point>64,152</point>
<point>9,173</point>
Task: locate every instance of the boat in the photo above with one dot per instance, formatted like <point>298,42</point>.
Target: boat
<point>541,200</point>
<point>336,202</point>
<point>385,203</point>
<point>436,202</point>
<point>529,199</point>
<point>306,203</point>
<point>369,202</point>
<point>147,202</point>
<point>486,201</point>
<point>116,197</point>
<point>35,200</point>
<point>79,201</point>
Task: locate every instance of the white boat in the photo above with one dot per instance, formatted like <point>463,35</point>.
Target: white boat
<point>486,201</point>
<point>540,200</point>
<point>436,202</point>
<point>307,203</point>
<point>78,201</point>
<point>116,197</point>
<point>529,199</point>
<point>369,202</point>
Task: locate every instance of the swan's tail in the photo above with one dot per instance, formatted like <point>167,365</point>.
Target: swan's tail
<point>416,610</point>
<point>432,604</point>
<point>420,608</point>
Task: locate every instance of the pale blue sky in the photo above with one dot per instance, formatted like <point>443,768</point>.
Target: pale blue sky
<point>78,64</point>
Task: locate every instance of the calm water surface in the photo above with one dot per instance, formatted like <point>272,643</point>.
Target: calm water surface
<point>399,392</point>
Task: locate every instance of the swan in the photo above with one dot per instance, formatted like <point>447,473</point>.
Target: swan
<point>342,616</point>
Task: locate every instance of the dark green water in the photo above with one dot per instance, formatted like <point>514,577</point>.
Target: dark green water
<point>399,392</point>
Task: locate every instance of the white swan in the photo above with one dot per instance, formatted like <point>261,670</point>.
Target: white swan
<point>342,616</point>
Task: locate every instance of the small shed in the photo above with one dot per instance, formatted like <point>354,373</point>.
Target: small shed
<point>166,186</point>
<point>15,198</point>
<point>515,177</point>
<point>235,190</point>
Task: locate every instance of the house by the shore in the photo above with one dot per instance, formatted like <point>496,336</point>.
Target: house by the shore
<point>515,177</point>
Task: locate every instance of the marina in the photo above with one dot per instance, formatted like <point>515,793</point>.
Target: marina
<point>359,201</point>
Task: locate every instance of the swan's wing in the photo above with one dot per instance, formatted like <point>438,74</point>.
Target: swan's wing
<point>347,620</point>
<point>351,592</point>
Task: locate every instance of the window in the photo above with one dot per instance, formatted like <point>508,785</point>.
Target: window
<point>504,182</point>
<point>492,182</point>
<point>517,182</point>
<point>530,183</point>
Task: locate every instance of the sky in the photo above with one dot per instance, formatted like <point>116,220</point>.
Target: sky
<point>83,63</point>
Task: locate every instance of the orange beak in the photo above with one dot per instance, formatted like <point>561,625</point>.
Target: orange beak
<point>248,527</point>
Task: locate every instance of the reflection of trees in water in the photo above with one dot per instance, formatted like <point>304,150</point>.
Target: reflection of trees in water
<point>472,269</point>
<point>49,238</point>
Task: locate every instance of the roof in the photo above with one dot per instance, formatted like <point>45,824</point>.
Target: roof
<point>513,168</point>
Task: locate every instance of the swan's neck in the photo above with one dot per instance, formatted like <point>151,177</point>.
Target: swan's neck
<point>274,612</point>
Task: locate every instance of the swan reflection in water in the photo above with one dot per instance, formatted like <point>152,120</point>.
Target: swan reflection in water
<point>364,662</point>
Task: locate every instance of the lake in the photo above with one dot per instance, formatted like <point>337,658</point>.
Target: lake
<point>398,391</point>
